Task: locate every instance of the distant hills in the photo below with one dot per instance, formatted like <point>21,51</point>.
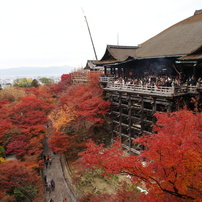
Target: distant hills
<point>36,71</point>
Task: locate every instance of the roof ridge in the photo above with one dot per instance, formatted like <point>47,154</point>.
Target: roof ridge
<point>122,47</point>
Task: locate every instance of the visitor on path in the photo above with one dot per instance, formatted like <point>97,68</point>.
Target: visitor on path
<point>52,185</point>
<point>50,161</point>
<point>44,158</point>
<point>45,179</point>
<point>46,163</point>
<point>48,188</point>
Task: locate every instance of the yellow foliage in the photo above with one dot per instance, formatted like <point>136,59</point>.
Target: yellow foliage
<point>12,94</point>
<point>61,118</point>
<point>2,159</point>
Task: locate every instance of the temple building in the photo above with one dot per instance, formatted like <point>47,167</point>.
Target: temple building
<point>162,74</point>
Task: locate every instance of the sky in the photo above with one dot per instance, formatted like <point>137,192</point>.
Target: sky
<point>42,33</point>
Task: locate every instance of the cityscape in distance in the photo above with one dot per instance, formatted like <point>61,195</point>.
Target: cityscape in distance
<point>7,76</point>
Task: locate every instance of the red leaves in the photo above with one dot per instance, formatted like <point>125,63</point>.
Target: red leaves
<point>16,147</point>
<point>112,160</point>
<point>59,142</point>
<point>14,175</point>
<point>80,110</point>
<point>87,103</point>
<point>173,158</point>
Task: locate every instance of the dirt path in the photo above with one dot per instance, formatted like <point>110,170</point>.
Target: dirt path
<point>54,171</point>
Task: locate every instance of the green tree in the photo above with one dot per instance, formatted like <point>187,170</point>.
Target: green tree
<point>2,152</point>
<point>35,83</point>
<point>23,82</point>
<point>46,80</point>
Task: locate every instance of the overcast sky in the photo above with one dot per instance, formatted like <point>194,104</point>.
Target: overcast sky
<point>41,33</point>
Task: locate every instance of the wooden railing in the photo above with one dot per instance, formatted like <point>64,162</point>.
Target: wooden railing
<point>160,90</point>
<point>193,89</point>
<point>106,79</point>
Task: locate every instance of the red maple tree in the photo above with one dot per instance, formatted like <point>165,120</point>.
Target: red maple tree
<point>19,181</point>
<point>31,111</point>
<point>170,166</point>
<point>86,110</point>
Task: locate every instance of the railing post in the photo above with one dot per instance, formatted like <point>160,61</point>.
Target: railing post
<point>173,90</point>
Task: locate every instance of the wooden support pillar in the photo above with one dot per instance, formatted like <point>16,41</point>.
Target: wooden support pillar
<point>111,71</point>
<point>114,69</point>
<point>169,108</point>
<point>119,71</point>
<point>194,71</point>
<point>120,118</point>
<point>142,113</point>
<point>153,110</point>
<point>105,70</point>
<point>124,73</point>
<point>129,122</point>
<point>111,119</point>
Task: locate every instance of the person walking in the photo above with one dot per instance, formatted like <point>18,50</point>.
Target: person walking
<point>50,161</point>
<point>52,182</point>
<point>46,163</point>
<point>44,158</point>
<point>48,188</point>
<point>45,179</point>
<point>47,157</point>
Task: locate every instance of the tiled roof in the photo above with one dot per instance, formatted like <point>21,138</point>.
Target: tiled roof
<point>180,39</point>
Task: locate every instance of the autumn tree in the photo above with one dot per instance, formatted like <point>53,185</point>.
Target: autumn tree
<point>17,146</point>
<point>170,166</point>
<point>81,109</point>
<point>88,108</point>
<point>61,118</point>
<point>87,102</point>
<point>19,183</point>
<point>62,85</point>
<point>61,142</point>
<point>9,134</point>
<point>12,93</point>
<point>31,111</point>
<point>22,127</point>
<point>6,109</point>
<point>93,78</point>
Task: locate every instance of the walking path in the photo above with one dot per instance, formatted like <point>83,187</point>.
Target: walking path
<point>54,171</point>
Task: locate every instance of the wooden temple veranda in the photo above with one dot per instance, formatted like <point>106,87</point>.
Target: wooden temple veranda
<point>133,107</point>
<point>161,75</point>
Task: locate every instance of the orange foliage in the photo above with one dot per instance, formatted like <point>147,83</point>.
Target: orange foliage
<point>87,102</point>
<point>172,158</point>
<point>93,79</point>
<point>61,118</point>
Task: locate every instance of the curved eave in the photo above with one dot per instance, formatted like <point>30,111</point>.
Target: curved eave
<point>107,56</point>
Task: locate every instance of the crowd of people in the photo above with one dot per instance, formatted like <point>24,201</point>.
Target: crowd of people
<point>152,80</point>
<point>49,186</point>
<point>49,183</point>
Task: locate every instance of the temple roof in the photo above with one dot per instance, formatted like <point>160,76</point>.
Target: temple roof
<point>181,39</point>
<point>119,53</point>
